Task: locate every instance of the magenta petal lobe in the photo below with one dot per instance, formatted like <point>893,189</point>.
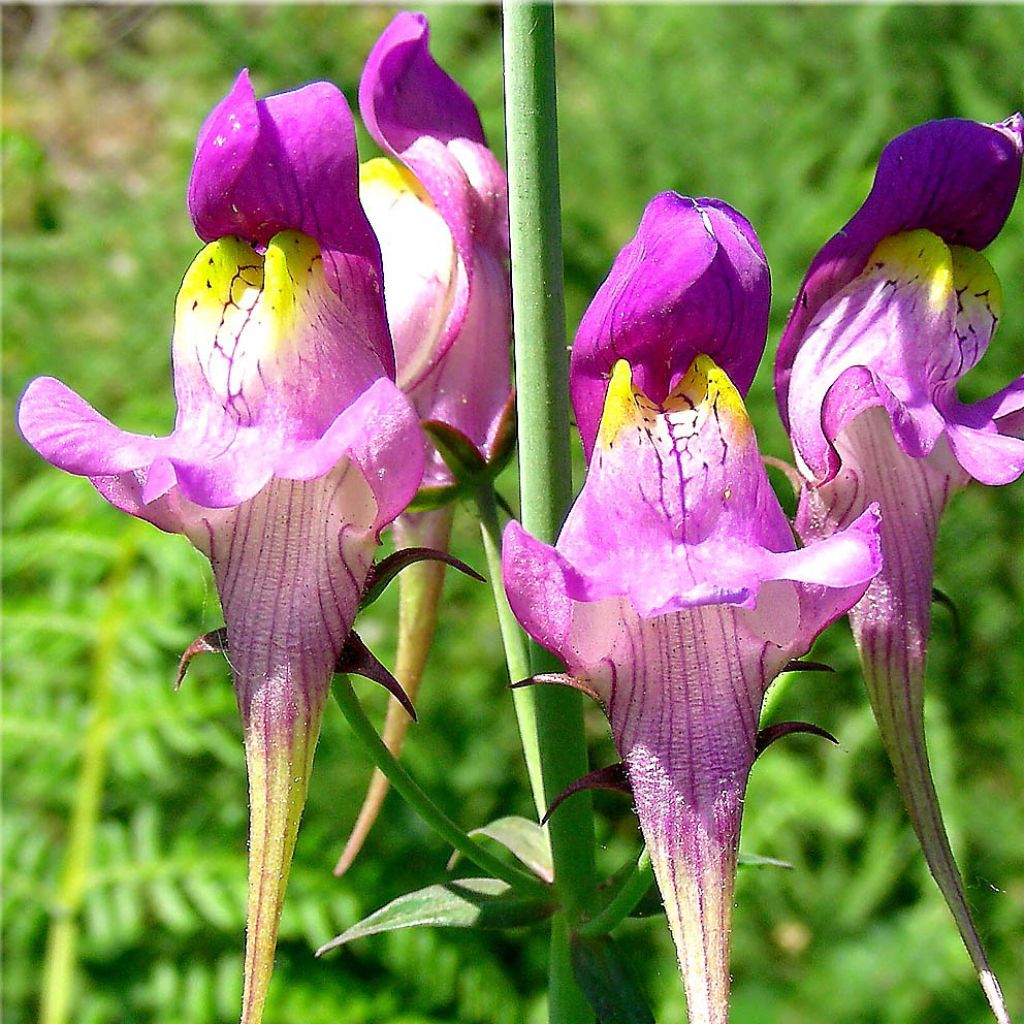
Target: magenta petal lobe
<point>692,281</point>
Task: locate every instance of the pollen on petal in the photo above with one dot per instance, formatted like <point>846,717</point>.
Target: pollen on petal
<point>916,257</point>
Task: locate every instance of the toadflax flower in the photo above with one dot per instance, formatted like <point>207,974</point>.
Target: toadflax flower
<point>894,310</point>
<point>675,592</point>
<point>438,204</point>
<point>292,446</point>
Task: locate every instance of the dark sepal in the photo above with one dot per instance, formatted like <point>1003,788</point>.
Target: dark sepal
<point>939,597</point>
<point>384,571</point>
<point>214,642</point>
<point>558,679</point>
<point>611,777</point>
<point>768,735</point>
<point>357,659</point>
<point>798,665</point>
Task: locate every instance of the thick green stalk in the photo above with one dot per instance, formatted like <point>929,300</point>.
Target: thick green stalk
<point>409,790</point>
<point>566,1001</point>
<point>550,716</point>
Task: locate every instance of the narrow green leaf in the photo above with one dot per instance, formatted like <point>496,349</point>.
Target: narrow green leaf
<point>466,903</point>
<point>609,982</point>
<point>523,838</point>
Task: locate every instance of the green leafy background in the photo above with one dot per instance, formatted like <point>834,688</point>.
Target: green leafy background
<point>779,110</point>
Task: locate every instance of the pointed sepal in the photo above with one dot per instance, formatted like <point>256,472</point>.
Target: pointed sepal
<point>214,642</point>
<point>357,659</point>
<point>770,733</point>
<point>612,776</point>
<point>804,665</point>
<point>942,598</point>
<point>558,679</point>
<point>384,571</point>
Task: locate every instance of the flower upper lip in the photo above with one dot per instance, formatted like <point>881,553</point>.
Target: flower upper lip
<point>705,290</point>
<point>289,162</point>
<point>955,178</point>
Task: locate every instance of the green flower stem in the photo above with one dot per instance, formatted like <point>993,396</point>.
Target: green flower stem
<point>551,718</point>
<point>566,1002</point>
<point>410,791</point>
<point>517,651</point>
<point>419,595</point>
<point>630,892</point>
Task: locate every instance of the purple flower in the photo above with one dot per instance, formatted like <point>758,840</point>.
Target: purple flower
<point>675,591</point>
<point>441,215</point>
<point>894,310</point>
<point>439,206</point>
<point>693,281</point>
<point>286,164</point>
<point>292,446</point>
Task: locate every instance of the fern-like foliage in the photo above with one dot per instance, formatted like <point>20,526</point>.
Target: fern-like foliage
<point>125,802</point>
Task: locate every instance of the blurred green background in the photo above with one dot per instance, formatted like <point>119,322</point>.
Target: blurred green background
<point>125,801</point>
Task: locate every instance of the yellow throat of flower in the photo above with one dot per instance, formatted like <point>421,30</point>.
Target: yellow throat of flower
<point>384,174</point>
<point>243,305</point>
<point>942,270</point>
<point>705,389</point>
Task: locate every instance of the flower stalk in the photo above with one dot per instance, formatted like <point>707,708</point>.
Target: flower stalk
<point>419,593</point>
<point>550,718</point>
<point>513,640</point>
<point>630,892</point>
<point>407,787</point>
